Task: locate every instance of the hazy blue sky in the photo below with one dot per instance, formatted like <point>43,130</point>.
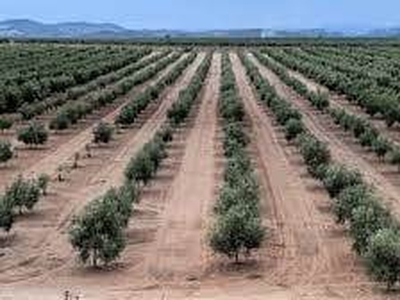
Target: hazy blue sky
<point>205,14</point>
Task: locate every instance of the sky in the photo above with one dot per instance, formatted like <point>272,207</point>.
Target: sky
<point>210,14</point>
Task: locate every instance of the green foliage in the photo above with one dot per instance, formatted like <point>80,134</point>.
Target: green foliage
<point>315,153</point>
<point>60,122</point>
<point>365,221</point>
<point>234,138</point>
<point>229,106</point>
<point>6,214</point>
<point>241,190</point>
<point>43,77</point>
<point>284,112</point>
<point>33,134</point>
<point>360,126</point>
<point>144,165</point>
<point>6,152</point>
<point>5,123</point>
<point>349,199</point>
<point>293,128</point>
<point>368,138</point>
<point>122,199</point>
<point>140,168</point>
<point>237,167</point>
<point>231,109</point>
<point>165,134</point>
<point>236,232</point>
<point>43,182</point>
<point>22,193</point>
<point>391,112</point>
<point>319,100</point>
<point>383,256</point>
<point>138,104</point>
<point>97,234</point>
<point>381,146</point>
<point>180,109</point>
<point>102,133</point>
<point>237,228</point>
<point>337,178</point>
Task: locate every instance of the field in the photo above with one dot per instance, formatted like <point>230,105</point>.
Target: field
<point>255,172</point>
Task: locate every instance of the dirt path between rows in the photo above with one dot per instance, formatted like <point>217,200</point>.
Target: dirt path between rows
<point>341,148</point>
<point>179,249</point>
<point>40,252</point>
<point>62,147</point>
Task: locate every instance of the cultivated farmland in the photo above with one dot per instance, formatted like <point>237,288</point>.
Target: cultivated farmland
<point>134,171</point>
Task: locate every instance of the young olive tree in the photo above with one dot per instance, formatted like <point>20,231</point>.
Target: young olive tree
<point>43,182</point>
<point>293,128</point>
<point>22,193</point>
<point>102,133</point>
<point>5,123</point>
<point>33,134</point>
<point>6,214</point>
<point>97,234</point>
<point>6,152</point>
<point>236,232</point>
<point>338,177</point>
<point>383,256</point>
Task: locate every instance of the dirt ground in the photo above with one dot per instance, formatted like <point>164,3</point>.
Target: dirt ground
<point>306,256</point>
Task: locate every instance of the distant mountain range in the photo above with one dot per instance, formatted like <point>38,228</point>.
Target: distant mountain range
<point>32,29</point>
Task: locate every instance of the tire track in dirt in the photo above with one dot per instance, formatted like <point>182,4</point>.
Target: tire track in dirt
<point>307,251</point>
<point>53,254</point>
<point>341,151</point>
<point>65,150</point>
<point>179,249</point>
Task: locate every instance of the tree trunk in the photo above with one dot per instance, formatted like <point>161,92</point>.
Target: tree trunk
<point>94,258</point>
<point>389,284</point>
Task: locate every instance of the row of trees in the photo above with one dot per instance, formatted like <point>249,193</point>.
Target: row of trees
<point>57,76</point>
<point>372,94</point>
<point>35,134</point>
<point>131,111</point>
<point>30,110</point>
<point>237,229</point>
<point>110,214</point>
<point>319,100</point>
<point>180,109</point>
<point>375,233</point>
<point>381,66</point>
<point>101,82</point>
<point>71,113</point>
<point>366,134</point>
<point>22,195</point>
